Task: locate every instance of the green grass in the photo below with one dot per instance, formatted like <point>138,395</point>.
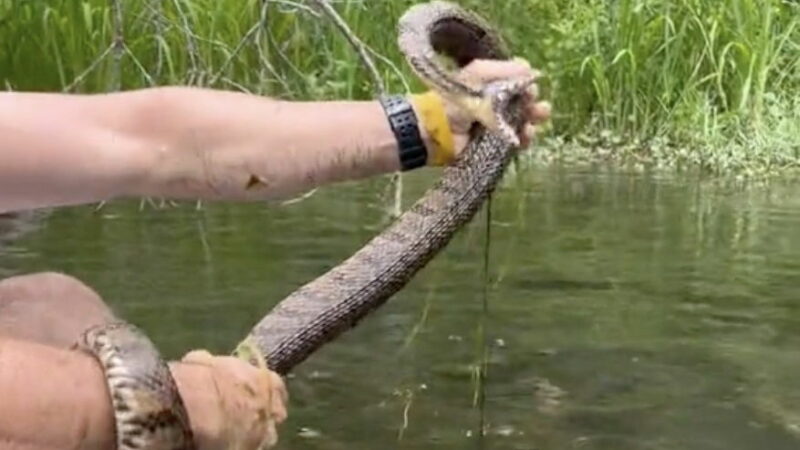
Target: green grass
<point>703,83</point>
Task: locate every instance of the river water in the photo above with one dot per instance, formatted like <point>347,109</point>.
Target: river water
<point>622,311</point>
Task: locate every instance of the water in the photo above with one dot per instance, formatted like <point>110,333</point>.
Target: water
<point>625,311</point>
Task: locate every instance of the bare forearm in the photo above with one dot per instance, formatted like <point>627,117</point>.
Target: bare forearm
<point>182,143</point>
<point>52,399</point>
<point>55,150</point>
<point>216,144</point>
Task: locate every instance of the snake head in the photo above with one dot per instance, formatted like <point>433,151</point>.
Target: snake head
<point>490,102</point>
<point>492,107</point>
<point>501,95</point>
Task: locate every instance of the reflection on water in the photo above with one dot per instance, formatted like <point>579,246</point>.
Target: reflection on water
<point>625,311</point>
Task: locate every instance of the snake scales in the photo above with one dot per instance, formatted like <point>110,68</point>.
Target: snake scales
<point>148,409</point>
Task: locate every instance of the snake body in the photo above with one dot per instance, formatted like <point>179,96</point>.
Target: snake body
<point>319,311</point>
<point>149,412</point>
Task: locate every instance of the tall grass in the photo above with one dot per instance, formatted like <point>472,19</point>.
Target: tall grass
<point>706,82</point>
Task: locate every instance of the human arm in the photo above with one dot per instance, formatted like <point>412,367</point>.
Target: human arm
<point>55,399</point>
<point>181,143</point>
<point>193,143</point>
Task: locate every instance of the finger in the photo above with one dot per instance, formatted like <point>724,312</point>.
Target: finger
<point>524,141</point>
<point>532,93</point>
<point>488,70</point>
<point>539,112</point>
<point>279,398</point>
<point>201,356</point>
<point>526,135</point>
<point>530,132</point>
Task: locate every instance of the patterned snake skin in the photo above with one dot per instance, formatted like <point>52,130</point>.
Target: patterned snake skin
<point>148,411</point>
<point>333,303</point>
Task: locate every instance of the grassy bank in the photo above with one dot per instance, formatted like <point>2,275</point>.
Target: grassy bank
<point>675,83</point>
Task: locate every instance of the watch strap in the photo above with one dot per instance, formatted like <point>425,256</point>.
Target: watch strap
<point>405,126</point>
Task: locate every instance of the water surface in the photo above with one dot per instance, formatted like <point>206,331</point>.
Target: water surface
<point>624,311</point>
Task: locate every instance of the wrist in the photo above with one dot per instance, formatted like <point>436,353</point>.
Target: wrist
<point>434,125</point>
<point>412,151</point>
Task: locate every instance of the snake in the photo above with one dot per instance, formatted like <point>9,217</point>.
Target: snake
<point>149,413</point>
<point>321,310</point>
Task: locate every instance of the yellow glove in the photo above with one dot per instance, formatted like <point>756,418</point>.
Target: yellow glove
<point>432,116</point>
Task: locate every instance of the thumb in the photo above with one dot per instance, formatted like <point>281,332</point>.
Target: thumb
<point>483,71</point>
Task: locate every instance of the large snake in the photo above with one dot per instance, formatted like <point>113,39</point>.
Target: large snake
<point>147,406</point>
<point>319,311</point>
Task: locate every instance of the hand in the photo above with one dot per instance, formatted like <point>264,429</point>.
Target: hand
<point>232,405</point>
<point>481,72</point>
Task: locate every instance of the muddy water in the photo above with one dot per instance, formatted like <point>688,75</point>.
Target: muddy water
<point>624,311</point>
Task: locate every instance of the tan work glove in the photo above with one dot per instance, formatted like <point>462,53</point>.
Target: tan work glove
<point>232,405</point>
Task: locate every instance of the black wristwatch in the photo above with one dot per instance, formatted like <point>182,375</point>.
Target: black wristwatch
<point>405,127</point>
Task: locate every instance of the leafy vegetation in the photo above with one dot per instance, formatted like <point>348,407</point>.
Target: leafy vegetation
<point>674,83</point>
